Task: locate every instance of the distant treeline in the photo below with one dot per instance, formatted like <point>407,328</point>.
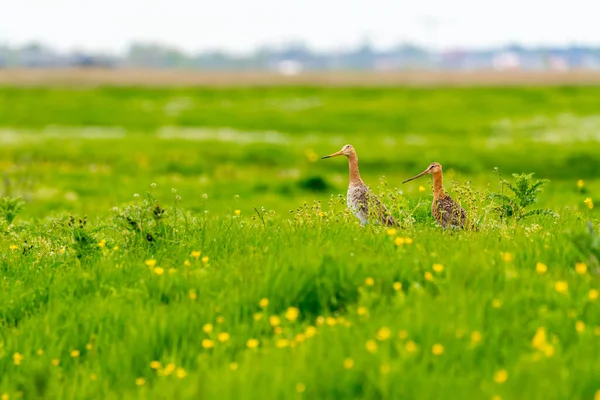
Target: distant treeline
<point>295,58</point>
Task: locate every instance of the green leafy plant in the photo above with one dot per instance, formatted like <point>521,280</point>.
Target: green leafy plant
<point>518,195</point>
<point>84,244</point>
<point>10,207</point>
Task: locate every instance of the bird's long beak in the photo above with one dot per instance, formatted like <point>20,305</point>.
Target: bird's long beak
<point>339,153</point>
<point>416,176</point>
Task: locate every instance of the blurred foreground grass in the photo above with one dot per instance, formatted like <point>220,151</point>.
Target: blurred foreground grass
<point>162,295</point>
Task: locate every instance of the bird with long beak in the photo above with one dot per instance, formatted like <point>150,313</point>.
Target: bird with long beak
<point>445,210</point>
<point>361,201</point>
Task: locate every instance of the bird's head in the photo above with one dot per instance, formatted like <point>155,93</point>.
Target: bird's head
<point>347,150</point>
<point>433,168</point>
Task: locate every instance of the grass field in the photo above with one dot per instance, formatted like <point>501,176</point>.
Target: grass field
<point>190,243</point>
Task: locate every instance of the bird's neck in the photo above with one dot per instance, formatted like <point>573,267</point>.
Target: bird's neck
<point>438,185</point>
<point>354,174</point>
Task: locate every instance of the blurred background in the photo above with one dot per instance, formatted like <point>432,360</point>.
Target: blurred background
<point>100,99</point>
<point>295,36</point>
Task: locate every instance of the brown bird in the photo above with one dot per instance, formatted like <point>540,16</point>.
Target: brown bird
<point>361,201</point>
<point>445,210</point>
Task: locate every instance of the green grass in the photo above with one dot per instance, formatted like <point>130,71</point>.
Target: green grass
<point>370,311</point>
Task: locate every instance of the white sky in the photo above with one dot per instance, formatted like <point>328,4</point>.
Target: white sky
<point>243,25</point>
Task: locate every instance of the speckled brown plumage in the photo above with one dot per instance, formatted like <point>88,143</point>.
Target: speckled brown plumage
<point>360,200</point>
<point>446,211</point>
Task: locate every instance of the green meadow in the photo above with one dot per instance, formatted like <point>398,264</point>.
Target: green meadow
<point>190,243</point>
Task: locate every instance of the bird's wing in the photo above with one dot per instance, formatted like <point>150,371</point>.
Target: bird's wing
<point>451,213</point>
<point>368,201</point>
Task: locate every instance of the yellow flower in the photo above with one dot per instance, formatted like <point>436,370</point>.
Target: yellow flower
<point>140,381</point>
<point>580,183</point>
<point>320,320</point>
<point>593,294</point>
<point>391,231</point>
<point>102,243</point>
<point>369,281</point>
<point>233,366</point>
<point>397,286</point>
<point>300,388</point>
<point>589,203</point>
<point>252,343</point>
<point>384,333</point>
<point>408,240</point>
<point>89,347</point>
<point>264,303</point>
<point>310,331</point>
<point>208,328</point>
<point>155,365</point>
<point>580,326</point>
<point>330,321</point>
<point>437,349</point>
<point>292,314</point>
<point>237,212</point>
<point>159,271</point>
<point>180,373</point>
<point>428,276</point>
<point>548,350</point>
<point>196,253</point>
<point>274,320</point>
<point>13,246</point>
<point>151,263</point>
<point>220,319</point>
<point>205,259</point>
<point>371,346</point>
<point>475,337</point>
<point>223,337</point>
<point>187,263</point>
<point>300,337</point>
<point>597,395</point>
<point>508,257</point>
<point>500,376</point>
<point>581,268</point>
<point>93,377</point>
<point>168,369</point>
<point>439,268</point>
<point>539,339</point>
<point>17,358</point>
<point>192,294</point>
<point>4,397</point>
<point>496,303</point>
<point>281,343</point>
<point>208,344</point>
<point>561,286</point>
<point>399,241</point>
<point>410,346</point>
<point>55,362</point>
<point>348,363</point>
<point>40,352</point>
<point>421,189</point>
<point>257,316</point>
<point>312,156</point>
<point>321,213</point>
<point>75,353</point>
<point>541,268</point>
<point>362,311</point>
<point>115,248</point>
